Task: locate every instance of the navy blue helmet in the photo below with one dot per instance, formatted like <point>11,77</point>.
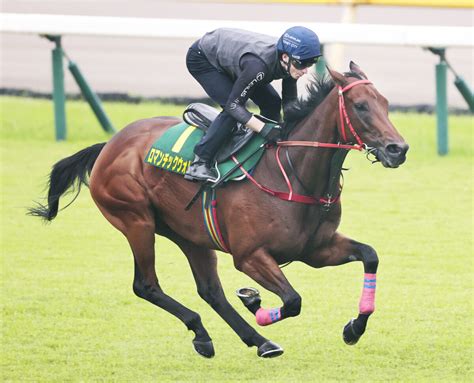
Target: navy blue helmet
<point>300,43</point>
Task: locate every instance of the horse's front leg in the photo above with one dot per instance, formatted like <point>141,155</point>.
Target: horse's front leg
<point>340,250</point>
<point>263,269</point>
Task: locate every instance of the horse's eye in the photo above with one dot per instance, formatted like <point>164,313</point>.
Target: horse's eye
<point>361,106</point>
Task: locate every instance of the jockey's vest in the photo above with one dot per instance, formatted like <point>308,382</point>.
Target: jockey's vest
<point>224,47</point>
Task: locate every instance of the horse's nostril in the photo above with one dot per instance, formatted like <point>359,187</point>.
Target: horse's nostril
<point>393,149</point>
<point>396,150</point>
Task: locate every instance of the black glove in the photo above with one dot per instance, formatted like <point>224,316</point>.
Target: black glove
<point>271,132</point>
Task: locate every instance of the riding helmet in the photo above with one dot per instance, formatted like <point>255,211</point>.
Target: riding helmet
<point>300,43</point>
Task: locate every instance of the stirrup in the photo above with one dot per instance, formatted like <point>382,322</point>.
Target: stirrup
<point>207,174</point>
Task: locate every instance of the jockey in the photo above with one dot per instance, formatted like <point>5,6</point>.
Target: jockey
<point>233,65</point>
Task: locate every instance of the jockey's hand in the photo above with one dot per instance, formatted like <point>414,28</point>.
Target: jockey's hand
<point>271,132</point>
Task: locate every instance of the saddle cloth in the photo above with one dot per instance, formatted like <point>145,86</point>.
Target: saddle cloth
<point>173,151</point>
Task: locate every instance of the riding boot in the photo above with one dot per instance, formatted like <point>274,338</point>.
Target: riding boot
<point>200,170</point>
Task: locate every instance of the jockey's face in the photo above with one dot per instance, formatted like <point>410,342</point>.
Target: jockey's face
<point>294,73</point>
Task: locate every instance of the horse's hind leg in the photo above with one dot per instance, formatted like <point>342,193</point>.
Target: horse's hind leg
<point>341,250</point>
<point>139,228</point>
<point>203,263</point>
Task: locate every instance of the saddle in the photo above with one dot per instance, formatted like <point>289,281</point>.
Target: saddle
<point>202,115</point>
<point>174,149</point>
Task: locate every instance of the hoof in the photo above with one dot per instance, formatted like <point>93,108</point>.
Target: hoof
<point>250,297</point>
<point>205,349</point>
<point>269,350</point>
<point>349,334</point>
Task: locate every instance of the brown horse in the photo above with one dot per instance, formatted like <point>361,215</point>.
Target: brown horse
<point>260,230</point>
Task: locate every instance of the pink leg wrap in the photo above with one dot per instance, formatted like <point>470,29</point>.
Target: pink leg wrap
<point>267,316</point>
<point>367,300</point>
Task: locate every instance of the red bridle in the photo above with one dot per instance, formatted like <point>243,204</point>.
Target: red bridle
<point>344,119</point>
<point>343,112</point>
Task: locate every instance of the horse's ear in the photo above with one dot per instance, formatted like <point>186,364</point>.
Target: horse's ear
<point>356,69</point>
<point>337,77</point>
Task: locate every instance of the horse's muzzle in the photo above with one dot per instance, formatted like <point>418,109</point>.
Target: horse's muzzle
<point>392,155</point>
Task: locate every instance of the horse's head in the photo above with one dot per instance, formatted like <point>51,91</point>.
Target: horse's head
<point>363,117</point>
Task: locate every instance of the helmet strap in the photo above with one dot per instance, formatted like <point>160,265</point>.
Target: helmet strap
<point>287,63</point>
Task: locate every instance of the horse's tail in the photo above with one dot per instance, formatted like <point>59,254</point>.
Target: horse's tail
<point>70,172</point>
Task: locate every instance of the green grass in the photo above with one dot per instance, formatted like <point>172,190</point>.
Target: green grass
<point>69,313</point>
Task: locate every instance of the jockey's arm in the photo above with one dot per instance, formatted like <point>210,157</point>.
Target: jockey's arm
<point>253,73</point>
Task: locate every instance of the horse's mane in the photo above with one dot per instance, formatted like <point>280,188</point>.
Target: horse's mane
<point>318,88</point>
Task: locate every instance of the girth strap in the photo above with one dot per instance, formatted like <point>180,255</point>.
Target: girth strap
<point>209,209</point>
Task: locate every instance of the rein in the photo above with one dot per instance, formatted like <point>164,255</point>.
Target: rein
<point>329,200</point>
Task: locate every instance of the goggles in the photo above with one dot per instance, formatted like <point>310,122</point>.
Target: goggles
<point>302,64</point>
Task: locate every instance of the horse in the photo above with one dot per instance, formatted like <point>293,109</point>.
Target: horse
<point>261,230</point>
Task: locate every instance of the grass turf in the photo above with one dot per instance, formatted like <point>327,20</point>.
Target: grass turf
<point>69,313</point>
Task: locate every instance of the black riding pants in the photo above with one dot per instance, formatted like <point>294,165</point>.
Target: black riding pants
<point>218,85</point>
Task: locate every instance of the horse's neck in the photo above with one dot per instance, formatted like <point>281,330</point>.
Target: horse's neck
<point>313,164</point>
